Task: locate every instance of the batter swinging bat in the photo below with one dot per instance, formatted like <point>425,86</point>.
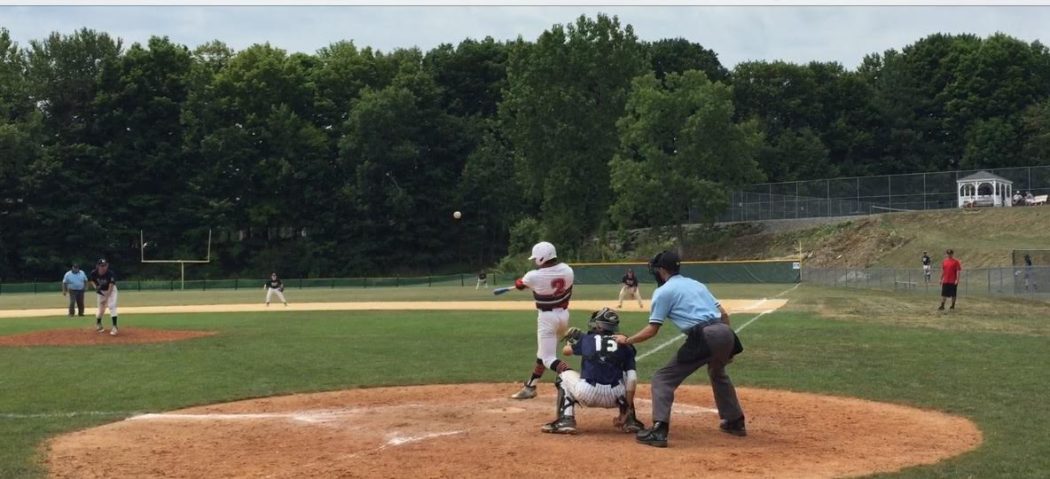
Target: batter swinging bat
<point>499,291</point>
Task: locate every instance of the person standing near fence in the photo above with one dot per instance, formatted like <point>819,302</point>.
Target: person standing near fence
<point>951,270</point>
<point>274,286</point>
<point>630,288</point>
<point>483,279</point>
<point>926,261</point>
<point>73,284</point>
<point>1029,278</point>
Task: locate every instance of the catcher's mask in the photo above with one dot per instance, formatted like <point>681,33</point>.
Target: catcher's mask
<point>606,320</point>
<point>669,261</point>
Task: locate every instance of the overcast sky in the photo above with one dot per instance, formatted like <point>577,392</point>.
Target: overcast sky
<point>740,33</point>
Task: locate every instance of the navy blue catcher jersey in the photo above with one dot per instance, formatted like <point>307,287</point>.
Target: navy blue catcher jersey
<point>604,361</point>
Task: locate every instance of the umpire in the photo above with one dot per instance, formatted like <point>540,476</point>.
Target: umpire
<point>709,340</point>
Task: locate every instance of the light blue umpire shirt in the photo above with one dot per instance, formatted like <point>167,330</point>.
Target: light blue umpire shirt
<point>686,301</point>
<point>75,281</point>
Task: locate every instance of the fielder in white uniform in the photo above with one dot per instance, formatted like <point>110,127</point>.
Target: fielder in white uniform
<point>105,284</point>
<point>551,286</point>
<point>607,379</point>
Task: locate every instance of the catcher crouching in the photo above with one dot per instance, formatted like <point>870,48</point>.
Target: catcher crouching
<point>607,377</point>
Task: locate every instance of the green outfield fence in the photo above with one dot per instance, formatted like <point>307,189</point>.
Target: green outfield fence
<point>771,271</point>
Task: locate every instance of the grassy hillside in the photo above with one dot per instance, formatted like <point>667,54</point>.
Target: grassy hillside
<point>980,238</point>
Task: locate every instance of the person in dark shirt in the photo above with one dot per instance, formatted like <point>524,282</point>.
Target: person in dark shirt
<point>104,282</point>
<point>926,261</point>
<point>607,376</point>
<point>274,286</point>
<point>630,288</point>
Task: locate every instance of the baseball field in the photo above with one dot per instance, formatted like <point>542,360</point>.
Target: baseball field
<point>414,382</point>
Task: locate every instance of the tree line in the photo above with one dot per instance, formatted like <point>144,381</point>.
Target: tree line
<point>350,161</point>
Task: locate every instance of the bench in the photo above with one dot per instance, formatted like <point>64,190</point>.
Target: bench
<point>1038,200</point>
<point>904,284</point>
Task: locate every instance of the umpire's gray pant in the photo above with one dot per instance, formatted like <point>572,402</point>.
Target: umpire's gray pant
<point>720,339</point>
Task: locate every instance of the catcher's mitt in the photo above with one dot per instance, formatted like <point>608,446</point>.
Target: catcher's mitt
<point>573,335</point>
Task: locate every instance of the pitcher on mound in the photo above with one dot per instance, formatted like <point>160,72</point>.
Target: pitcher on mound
<point>551,285</point>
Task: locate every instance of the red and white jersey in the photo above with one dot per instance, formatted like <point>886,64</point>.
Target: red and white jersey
<point>551,287</point>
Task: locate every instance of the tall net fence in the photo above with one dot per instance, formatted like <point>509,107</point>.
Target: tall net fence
<point>770,271</point>
<point>866,195</point>
<point>1006,281</point>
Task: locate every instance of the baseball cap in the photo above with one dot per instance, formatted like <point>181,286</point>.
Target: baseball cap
<point>102,262</point>
<point>668,260</point>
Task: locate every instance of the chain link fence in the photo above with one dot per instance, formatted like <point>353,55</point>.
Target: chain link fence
<point>1003,281</point>
<point>866,195</point>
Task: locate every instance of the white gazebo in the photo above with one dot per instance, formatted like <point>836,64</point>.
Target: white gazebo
<point>984,189</point>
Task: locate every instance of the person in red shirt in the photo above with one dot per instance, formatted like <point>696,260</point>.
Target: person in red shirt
<point>950,270</point>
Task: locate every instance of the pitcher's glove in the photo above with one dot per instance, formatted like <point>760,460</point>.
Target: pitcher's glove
<point>573,335</point>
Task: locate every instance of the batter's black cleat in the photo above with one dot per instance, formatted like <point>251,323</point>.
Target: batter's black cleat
<point>563,425</point>
<point>736,428</point>
<point>632,424</point>
<point>655,436</point>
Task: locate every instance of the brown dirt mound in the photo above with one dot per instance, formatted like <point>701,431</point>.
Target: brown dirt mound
<point>88,337</point>
<point>454,431</point>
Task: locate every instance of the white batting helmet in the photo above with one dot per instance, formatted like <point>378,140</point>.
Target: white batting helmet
<point>543,252</point>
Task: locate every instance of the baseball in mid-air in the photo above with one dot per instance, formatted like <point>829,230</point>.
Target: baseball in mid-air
<point>457,215</point>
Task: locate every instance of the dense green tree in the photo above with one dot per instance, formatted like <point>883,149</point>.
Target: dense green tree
<point>472,76</point>
<point>676,55</point>
<point>565,93</point>
<point>680,150</point>
<point>1035,127</point>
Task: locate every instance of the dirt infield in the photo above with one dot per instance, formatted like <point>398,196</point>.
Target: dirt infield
<point>453,431</point>
<point>88,337</point>
<point>733,305</point>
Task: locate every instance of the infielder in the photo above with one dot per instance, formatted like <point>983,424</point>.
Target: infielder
<point>607,380</point>
<point>274,286</point>
<point>926,261</point>
<point>483,279</point>
<point>105,284</point>
<point>551,286</point>
<point>709,340</point>
<point>630,288</point>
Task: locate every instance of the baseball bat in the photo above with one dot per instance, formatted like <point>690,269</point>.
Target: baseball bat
<point>499,291</point>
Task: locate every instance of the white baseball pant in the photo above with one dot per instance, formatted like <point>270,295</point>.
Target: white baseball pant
<point>550,326</point>
<point>107,300</point>
<point>629,292</point>
<point>591,395</point>
<point>272,291</point>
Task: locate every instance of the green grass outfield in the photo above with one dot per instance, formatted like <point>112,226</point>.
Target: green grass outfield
<point>986,361</point>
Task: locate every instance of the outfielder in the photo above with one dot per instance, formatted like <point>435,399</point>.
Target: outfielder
<point>274,286</point>
<point>551,286</point>
<point>608,377</point>
<point>105,284</point>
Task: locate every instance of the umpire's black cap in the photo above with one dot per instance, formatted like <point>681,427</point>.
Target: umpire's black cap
<point>667,260</point>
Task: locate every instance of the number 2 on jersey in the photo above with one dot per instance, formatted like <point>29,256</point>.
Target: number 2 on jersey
<point>559,286</point>
<point>605,344</point>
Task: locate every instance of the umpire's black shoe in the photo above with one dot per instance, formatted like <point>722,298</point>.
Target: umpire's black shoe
<point>736,427</point>
<point>655,436</point>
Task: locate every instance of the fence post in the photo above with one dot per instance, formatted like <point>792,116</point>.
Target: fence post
<point>462,281</point>
<point>909,278</point>
<point>235,283</point>
<point>204,285</point>
<point>989,281</point>
<point>34,287</point>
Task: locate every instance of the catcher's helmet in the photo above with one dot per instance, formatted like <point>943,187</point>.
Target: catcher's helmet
<point>606,320</point>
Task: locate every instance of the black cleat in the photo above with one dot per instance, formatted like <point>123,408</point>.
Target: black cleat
<point>655,436</point>
<point>562,425</point>
<point>736,428</point>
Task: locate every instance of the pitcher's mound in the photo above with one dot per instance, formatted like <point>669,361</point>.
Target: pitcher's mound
<point>88,337</point>
<point>453,431</point>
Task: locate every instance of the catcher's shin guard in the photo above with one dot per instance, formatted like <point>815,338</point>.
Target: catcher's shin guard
<point>565,405</point>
